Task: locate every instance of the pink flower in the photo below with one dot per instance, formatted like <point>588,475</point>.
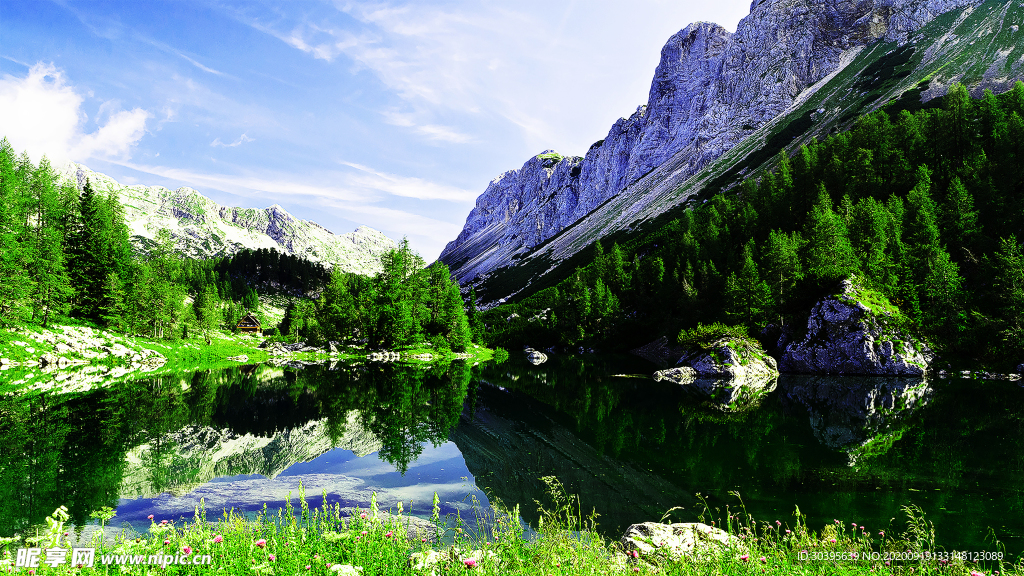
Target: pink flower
<point>745,557</point>
<point>764,560</point>
<point>363,515</point>
<point>363,532</point>
<point>218,539</point>
<point>423,539</point>
<point>881,532</point>
<point>832,540</point>
<point>163,521</point>
<point>389,534</point>
<point>271,557</point>
<point>166,542</point>
<point>307,566</point>
<point>976,573</point>
<point>635,554</point>
<point>469,562</point>
<point>261,543</point>
<point>777,523</point>
<point>150,517</point>
<point>787,531</point>
<point>186,550</point>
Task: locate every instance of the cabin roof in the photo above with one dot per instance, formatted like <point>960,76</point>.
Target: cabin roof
<point>249,320</point>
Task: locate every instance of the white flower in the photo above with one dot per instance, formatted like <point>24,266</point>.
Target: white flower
<point>347,569</point>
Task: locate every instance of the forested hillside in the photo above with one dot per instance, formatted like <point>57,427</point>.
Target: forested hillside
<point>65,254</point>
<point>926,207</point>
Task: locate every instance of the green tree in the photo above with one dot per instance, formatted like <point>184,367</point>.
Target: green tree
<point>829,253</point>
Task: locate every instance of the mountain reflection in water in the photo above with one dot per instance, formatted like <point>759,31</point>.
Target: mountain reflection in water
<point>855,449</point>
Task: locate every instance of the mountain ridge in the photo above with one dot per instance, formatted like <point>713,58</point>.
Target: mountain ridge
<point>202,228</point>
<point>712,119</point>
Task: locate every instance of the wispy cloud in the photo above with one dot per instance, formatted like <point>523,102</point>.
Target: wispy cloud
<point>406,186</point>
<point>241,140</point>
<point>430,131</point>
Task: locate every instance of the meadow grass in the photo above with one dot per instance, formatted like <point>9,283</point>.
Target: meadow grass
<point>329,540</point>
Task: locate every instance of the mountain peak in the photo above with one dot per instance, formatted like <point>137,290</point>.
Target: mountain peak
<point>201,228</point>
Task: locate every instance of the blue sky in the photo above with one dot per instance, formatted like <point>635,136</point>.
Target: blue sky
<point>393,115</point>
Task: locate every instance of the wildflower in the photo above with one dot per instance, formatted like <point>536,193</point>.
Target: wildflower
<point>764,560</point>
<point>777,523</point>
<point>787,531</point>
<point>469,562</point>
<point>635,554</point>
<point>271,557</point>
<point>163,521</point>
<point>363,515</point>
<point>745,557</point>
<point>166,542</point>
<point>636,568</point>
<point>150,517</point>
<point>261,543</point>
<point>364,532</point>
<point>881,532</point>
<point>886,562</point>
<point>218,539</point>
<point>186,550</point>
<point>976,573</point>
<point>423,539</point>
<point>389,534</point>
<point>838,522</point>
<point>854,524</point>
<point>832,540</point>
<point>308,567</point>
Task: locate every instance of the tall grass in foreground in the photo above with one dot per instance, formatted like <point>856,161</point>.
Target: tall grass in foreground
<point>326,541</point>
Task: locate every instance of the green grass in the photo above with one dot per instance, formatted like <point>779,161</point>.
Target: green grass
<point>326,540</point>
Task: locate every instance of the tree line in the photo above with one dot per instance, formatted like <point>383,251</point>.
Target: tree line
<point>66,253</point>
<point>925,207</point>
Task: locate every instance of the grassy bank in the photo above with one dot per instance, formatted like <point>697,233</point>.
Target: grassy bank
<point>84,343</point>
<point>327,540</point>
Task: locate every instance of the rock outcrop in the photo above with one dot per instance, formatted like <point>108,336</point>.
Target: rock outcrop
<point>677,540</point>
<point>711,90</point>
<point>732,372</point>
<point>201,228</point>
<point>856,332</point>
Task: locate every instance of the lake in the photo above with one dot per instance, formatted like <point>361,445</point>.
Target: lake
<point>854,449</point>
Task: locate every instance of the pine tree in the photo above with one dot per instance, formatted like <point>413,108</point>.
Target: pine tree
<point>1009,283</point>
<point>53,289</point>
<point>829,253</point>
<point>782,271</point>
<point>15,282</point>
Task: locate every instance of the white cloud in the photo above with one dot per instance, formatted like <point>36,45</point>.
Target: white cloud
<point>42,114</point>
<point>241,139</point>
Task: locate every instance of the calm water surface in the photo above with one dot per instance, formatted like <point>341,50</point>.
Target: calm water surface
<point>849,448</point>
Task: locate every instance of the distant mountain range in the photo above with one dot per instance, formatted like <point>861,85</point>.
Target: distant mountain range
<point>201,228</point>
<point>721,106</point>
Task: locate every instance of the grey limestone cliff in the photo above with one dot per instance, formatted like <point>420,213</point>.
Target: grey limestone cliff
<point>711,90</point>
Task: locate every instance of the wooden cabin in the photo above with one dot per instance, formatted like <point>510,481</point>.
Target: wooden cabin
<point>250,324</point>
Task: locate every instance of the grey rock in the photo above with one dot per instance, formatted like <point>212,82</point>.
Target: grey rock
<point>844,336</point>
<point>678,540</point>
<point>711,89</point>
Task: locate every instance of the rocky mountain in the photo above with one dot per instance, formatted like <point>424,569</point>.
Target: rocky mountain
<point>201,228</point>
<point>721,106</point>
